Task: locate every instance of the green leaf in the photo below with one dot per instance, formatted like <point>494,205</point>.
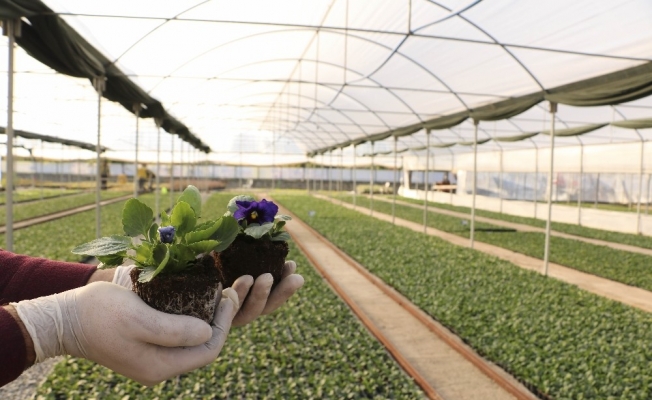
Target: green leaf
<point>153,232</point>
<point>146,274</point>
<point>112,260</point>
<point>232,207</point>
<point>161,256</point>
<point>144,253</point>
<point>226,232</point>
<point>180,256</point>
<point>204,246</point>
<point>203,232</point>
<point>192,196</point>
<point>183,218</point>
<point>104,246</point>
<point>136,218</point>
<point>283,217</point>
<point>281,237</point>
<point>278,225</point>
<point>257,231</point>
<point>165,218</point>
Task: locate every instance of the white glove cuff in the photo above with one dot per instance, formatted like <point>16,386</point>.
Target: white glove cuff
<point>121,276</point>
<point>43,320</point>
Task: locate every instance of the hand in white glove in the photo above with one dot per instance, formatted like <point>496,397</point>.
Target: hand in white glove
<point>112,326</point>
<point>121,276</point>
<point>260,301</point>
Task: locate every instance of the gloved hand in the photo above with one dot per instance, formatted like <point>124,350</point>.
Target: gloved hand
<point>121,276</point>
<point>112,326</point>
<point>260,301</point>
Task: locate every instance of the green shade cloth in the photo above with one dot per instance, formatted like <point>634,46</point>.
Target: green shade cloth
<point>580,130</point>
<point>506,108</point>
<point>408,130</point>
<point>52,139</point>
<point>470,143</point>
<point>515,138</point>
<point>446,121</point>
<point>614,88</point>
<point>50,40</point>
<point>634,123</point>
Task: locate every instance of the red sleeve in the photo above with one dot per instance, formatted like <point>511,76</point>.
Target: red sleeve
<point>12,350</point>
<point>23,277</point>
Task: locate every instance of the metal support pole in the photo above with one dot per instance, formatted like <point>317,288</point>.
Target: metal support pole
<point>426,184</point>
<point>308,170</point>
<point>475,179</point>
<point>157,210</point>
<point>330,174</point>
<point>136,108</point>
<point>546,254</point>
<point>341,171</point>
<point>11,29</point>
<point>647,203</point>
<point>353,178</point>
<point>579,185</point>
<point>273,159</point>
<point>371,182</point>
<point>640,186</point>
<point>597,191</point>
<point>99,83</point>
<point>395,179</point>
<point>500,190</point>
<point>42,167</point>
<point>171,171</point>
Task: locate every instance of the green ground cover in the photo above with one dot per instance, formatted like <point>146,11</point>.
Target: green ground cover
<point>618,265</point>
<point>313,347</point>
<point>565,342</point>
<point>56,238</point>
<point>572,229</point>
<point>56,204</point>
<point>34,194</point>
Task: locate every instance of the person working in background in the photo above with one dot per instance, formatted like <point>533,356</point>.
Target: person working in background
<point>50,308</point>
<point>104,173</point>
<point>145,176</point>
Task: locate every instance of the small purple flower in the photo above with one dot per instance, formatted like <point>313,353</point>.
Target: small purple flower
<point>166,233</point>
<point>256,212</point>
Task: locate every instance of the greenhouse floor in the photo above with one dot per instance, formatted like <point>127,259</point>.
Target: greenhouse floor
<point>422,353</point>
<point>625,294</point>
<point>526,228</point>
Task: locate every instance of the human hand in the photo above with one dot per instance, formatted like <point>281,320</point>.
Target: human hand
<point>259,300</point>
<point>112,326</point>
<point>121,276</point>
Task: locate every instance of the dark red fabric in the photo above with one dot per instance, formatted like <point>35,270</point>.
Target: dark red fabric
<point>24,278</point>
<point>12,349</point>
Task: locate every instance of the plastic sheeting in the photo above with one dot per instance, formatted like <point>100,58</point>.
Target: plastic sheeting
<point>329,73</point>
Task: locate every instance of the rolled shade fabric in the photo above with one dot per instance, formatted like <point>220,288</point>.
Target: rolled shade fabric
<point>470,143</point>
<point>614,88</point>
<point>580,130</point>
<point>506,108</point>
<point>634,123</point>
<point>52,139</point>
<point>515,138</point>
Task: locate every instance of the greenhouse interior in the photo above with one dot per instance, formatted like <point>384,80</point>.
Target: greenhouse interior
<point>438,199</point>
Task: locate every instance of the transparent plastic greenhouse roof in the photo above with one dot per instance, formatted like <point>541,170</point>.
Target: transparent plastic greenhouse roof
<point>271,81</point>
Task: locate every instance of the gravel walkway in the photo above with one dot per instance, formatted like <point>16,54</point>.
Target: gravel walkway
<point>25,386</point>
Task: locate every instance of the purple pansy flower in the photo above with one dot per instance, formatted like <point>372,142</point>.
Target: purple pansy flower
<point>166,233</point>
<point>257,212</point>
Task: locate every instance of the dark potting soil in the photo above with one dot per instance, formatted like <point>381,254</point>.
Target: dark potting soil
<point>192,292</point>
<point>249,256</point>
